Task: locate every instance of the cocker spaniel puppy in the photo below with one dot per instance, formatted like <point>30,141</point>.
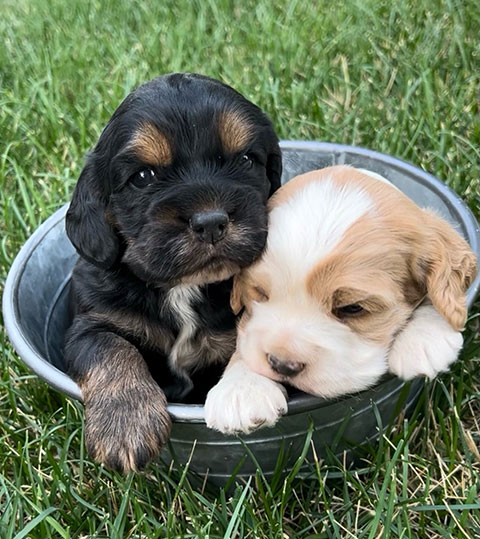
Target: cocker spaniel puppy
<point>331,305</point>
<point>170,205</point>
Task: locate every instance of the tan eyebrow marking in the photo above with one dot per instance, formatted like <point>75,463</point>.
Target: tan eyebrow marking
<point>151,145</point>
<point>234,130</point>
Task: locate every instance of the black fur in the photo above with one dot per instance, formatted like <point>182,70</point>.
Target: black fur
<point>131,228</point>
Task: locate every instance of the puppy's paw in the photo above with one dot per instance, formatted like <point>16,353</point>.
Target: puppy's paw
<point>426,346</point>
<point>244,401</point>
<point>126,428</point>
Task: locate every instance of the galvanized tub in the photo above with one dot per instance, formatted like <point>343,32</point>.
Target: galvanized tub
<point>36,317</point>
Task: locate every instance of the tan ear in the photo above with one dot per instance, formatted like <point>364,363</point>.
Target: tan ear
<point>237,294</point>
<point>449,266</point>
<point>246,289</point>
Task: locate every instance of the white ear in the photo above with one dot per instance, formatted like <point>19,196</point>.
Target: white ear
<point>426,346</point>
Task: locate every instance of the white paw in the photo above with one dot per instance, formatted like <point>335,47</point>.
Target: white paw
<point>426,346</point>
<point>244,401</point>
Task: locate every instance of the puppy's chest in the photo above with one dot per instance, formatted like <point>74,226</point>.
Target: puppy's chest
<point>198,341</point>
<point>180,307</point>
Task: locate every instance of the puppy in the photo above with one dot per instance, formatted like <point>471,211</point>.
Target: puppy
<point>330,307</point>
<point>171,203</point>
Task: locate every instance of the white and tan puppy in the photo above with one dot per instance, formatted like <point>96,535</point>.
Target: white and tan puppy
<point>332,304</point>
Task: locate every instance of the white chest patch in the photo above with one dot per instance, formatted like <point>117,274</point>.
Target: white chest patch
<point>310,225</point>
<point>180,301</point>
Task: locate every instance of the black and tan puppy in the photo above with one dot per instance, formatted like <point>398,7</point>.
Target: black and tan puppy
<point>171,203</point>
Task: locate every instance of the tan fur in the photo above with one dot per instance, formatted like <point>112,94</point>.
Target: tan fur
<point>248,287</point>
<point>125,410</point>
<point>335,283</point>
<point>235,131</point>
<point>211,275</point>
<point>238,295</point>
<point>442,263</point>
<point>147,332</point>
<point>341,175</point>
<point>448,267</point>
<point>151,146</point>
<point>210,348</point>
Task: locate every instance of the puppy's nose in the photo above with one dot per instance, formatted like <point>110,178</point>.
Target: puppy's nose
<point>209,226</point>
<point>285,367</point>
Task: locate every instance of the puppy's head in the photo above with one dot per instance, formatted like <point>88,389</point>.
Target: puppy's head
<point>176,187</point>
<point>348,258</point>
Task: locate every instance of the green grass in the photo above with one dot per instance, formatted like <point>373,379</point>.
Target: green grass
<point>397,76</point>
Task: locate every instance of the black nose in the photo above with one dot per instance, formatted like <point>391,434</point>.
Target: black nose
<point>285,367</point>
<point>209,226</point>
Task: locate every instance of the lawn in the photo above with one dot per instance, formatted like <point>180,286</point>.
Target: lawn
<point>401,77</point>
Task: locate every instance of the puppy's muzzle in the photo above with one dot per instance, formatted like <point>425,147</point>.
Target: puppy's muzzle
<point>285,367</point>
<point>209,226</point>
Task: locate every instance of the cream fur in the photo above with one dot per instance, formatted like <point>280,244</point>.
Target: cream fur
<point>244,401</point>
<point>427,346</point>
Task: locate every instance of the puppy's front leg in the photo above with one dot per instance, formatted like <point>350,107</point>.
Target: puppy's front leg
<point>243,400</point>
<point>126,418</point>
<point>426,346</point>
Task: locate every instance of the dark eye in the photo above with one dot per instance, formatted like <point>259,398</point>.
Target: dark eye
<point>143,178</point>
<point>247,160</point>
<point>349,311</point>
<point>260,294</point>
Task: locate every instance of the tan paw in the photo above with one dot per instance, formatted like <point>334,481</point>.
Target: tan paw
<point>126,429</point>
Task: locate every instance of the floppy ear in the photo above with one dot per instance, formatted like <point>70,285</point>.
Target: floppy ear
<point>274,168</point>
<point>236,295</point>
<point>448,266</point>
<point>244,292</point>
<point>93,237</point>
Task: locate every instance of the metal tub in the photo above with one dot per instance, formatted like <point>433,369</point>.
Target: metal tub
<point>36,317</point>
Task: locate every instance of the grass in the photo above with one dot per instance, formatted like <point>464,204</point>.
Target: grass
<point>398,77</point>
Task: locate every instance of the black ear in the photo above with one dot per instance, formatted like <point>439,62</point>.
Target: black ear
<point>274,169</point>
<point>86,224</point>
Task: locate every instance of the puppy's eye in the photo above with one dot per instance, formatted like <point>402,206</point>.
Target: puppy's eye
<point>143,178</point>
<point>349,311</point>
<point>259,294</point>
<point>247,160</point>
